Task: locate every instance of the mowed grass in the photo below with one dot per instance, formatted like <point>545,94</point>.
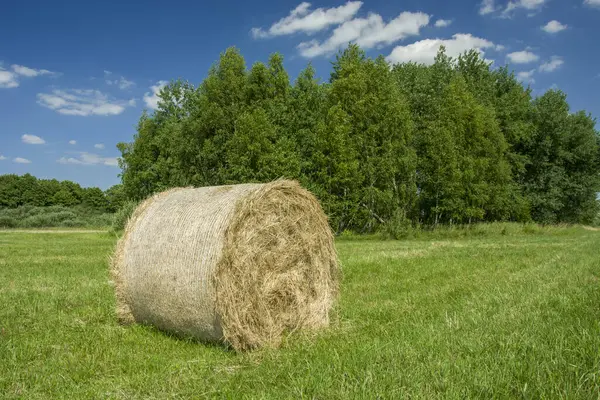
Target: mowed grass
<point>495,316</point>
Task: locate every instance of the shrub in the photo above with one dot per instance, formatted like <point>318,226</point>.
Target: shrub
<point>398,227</point>
<point>40,219</point>
<point>36,221</point>
<point>7,222</point>
<point>101,220</point>
<point>121,217</point>
<point>72,223</point>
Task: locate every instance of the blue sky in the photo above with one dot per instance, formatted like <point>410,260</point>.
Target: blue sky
<point>75,76</point>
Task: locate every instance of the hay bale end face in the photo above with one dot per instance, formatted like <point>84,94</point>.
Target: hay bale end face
<point>241,264</point>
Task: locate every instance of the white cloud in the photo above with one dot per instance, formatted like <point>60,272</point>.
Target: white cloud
<point>2,157</point>
<point>72,142</point>
<point>526,76</point>
<point>29,72</point>
<point>554,27</point>
<point>592,3</point>
<point>121,83</point>
<point>8,79</point>
<point>487,7</point>
<point>20,160</point>
<point>525,4</point>
<point>99,146</point>
<point>301,19</point>
<point>442,23</point>
<point>424,51</point>
<point>82,102</point>
<point>367,33</point>
<point>151,98</point>
<point>32,139</point>
<point>124,83</point>
<point>554,63</point>
<point>522,57</point>
<point>89,159</point>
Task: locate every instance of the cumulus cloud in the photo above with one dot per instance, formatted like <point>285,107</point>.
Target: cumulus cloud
<point>85,158</point>
<point>552,65</point>
<point>424,51</point>
<point>32,139</point>
<point>442,23</point>
<point>302,19</point>
<point>99,146</point>
<point>592,3</point>
<point>526,76</point>
<point>554,27</point>
<point>72,142</point>
<point>83,102</point>
<point>20,160</point>
<point>367,33</point>
<point>487,7</point>
<point>2,157</point>
<point>522,57</point>
<point>151,98</point>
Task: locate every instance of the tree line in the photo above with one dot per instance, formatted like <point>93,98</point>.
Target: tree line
<point>27,190</point>
<point>455,142</point>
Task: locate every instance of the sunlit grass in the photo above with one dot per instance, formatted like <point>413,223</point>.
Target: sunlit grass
<point>489,316</point>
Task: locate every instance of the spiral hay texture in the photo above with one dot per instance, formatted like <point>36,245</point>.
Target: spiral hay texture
<point>241,264</point>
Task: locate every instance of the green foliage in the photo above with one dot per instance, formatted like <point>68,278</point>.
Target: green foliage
<point>562,178</point>
<point>384,149</point>
<point>27,190</point>
<point>120,218</point>
<point>115,197</point>
<point>399,227</point>
<point>8,222</point>
<point>53,216</point>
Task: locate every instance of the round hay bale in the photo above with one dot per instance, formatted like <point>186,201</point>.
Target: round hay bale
<point>241,264</point>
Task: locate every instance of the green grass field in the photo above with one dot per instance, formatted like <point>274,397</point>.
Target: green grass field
<point>491,316</point>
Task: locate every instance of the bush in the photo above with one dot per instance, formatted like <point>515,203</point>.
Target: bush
<point>36,221</point>
<point>72,223</point>
<point>398,227</point>
<point>8,222</point>
<point>53,216</point>
<point>122,216</point>
<point>101,220</point>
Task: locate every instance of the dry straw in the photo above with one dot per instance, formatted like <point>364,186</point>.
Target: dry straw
<point>241,264</point>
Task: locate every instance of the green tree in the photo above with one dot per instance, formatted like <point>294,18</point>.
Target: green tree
<point>452,142</point>
<point>94,198</point>
<point>64,197</point>
<point>381,131</point>
<point>115,197</point>
<point>255,153</point>
<point>10,191</point>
